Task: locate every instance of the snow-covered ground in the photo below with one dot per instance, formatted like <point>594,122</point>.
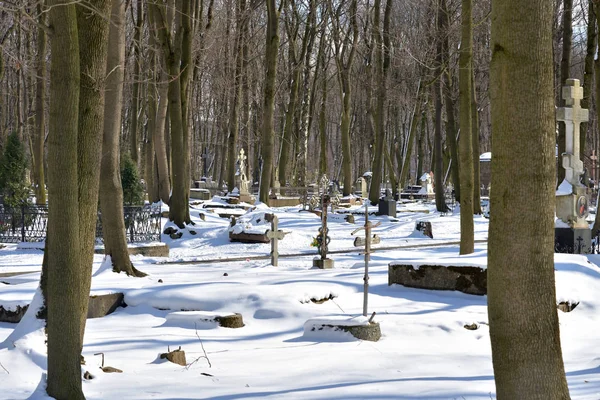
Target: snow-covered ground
<point>424,353</point>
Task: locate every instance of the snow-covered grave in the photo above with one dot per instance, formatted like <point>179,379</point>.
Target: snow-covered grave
<point>434,344</point>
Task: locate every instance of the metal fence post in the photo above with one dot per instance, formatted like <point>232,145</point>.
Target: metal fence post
<point>22,222</point>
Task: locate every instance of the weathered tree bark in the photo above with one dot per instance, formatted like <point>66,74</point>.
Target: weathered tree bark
<point>323,117</point>
<point>565,71</point>
<point>522,301</point>
<point>451,134</point>
<point>135,101</point>
<point>588,74</point>
<point>40,115</point>
<point>412,133</point>
<point>467,234</point>
<point>297,64</point>
<point>64,285</point>
<point>345,44</point>
<point>475,135</point>
<point>232,138</point>
<point>171,46</point>
<point>381,43</point>
<point>307,97</point>
<point>78,48</point>
<point>272,48</point>
<point>111,191</point>
<point>438,161</point>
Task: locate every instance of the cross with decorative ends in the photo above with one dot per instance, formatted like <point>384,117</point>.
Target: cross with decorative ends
<point>275,235</point>
<point>572,116</point>
<point>242,159</point>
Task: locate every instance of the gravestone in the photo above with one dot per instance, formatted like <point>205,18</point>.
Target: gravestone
<point>364,191</point>
<point>574,236</point>
<point>387,205</point>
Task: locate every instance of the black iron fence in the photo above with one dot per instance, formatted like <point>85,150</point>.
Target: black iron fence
<point>28,223</point>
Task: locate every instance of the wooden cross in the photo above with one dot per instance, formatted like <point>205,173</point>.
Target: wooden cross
<point>572,116</point>
<point>275,235</point>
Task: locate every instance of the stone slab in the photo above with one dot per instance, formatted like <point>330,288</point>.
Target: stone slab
<point>467,279</point>
<point>154,250</point>
<point>98,306</point>
<point>248,237</point>
<point>284,202</point>
<point>323,264</point>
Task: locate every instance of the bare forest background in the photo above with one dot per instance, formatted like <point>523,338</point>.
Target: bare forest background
<point>330,68</point>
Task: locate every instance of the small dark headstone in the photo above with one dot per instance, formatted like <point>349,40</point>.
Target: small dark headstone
<point>471,327</point>
<point>225,274</point>
<point>230,321</point>
<point>387,206</point>
<point>160,281</point>
<point>193,232</point>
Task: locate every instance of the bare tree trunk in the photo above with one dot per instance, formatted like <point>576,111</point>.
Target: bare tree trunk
<point>475,135</point>
<point>438,161</point>
<point>467,234</point>
<point>232,138</point>
<point>272,47</point>
<point>588,75</point>
<point>111,191</point>
<point>78,46</point>
<point>523,148</point>
<point>135,101</point>
<point>40,115</point>
<point>565,71</point>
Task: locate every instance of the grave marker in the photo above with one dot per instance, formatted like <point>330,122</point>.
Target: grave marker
<point>571,199</point>
<point>275,235</point>
<point>367,241</point>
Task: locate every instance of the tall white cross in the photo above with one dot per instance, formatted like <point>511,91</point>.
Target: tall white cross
<point>572,116</point>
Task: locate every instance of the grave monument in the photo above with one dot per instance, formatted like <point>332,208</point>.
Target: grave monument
<point>572,232</point>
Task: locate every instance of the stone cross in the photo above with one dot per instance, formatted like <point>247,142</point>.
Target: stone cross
<point>275,235</point>
<point>572,116</point>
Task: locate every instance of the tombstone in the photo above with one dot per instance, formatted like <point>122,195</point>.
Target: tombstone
<point>276,183</point>
<point>364,190</point>
<point>425,228</point>
<point>572,198</point>
<point>387,205</point>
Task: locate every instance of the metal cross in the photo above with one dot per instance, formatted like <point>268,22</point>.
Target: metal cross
<point>367,243</point>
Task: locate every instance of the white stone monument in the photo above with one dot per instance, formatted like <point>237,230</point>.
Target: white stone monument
<point>364,191</point>
<point>571,196</point>
<point>245,195</point>
<point>426,185</point>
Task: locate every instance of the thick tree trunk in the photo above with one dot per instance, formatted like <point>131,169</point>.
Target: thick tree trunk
<point>232,138</point>
<point>135,101</point>
<point>111,191</point>
<point>588,75</point>
<point>522,301</point>
<point>382,62</point>
<point>565,71</point>
<point>467,238</point>
<point>66,291</point>
<point>412,133</point>
<point>78,46</point>
<point>272,47</point>
<point>40,115</point>
<point>475,136</point>
<point>438,160</point>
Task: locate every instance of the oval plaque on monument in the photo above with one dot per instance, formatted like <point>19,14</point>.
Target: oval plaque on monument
<point>582,206</point>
